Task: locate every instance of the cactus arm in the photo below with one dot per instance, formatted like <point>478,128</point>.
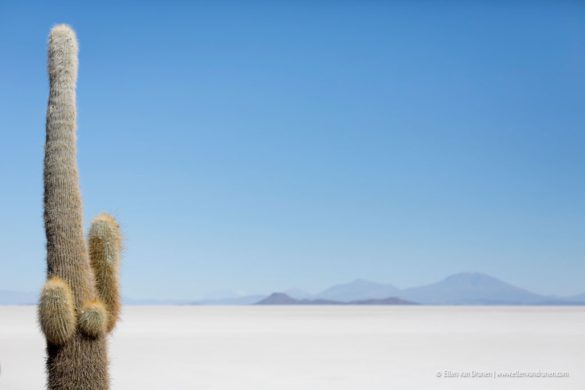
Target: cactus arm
<point>56,311</point>
<point>105,243</point>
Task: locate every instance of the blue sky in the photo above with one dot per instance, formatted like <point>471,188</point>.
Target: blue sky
<point>267,145</point>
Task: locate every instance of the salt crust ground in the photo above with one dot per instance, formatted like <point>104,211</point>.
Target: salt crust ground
<point>320,348</point>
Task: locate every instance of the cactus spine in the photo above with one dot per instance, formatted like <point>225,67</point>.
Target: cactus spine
<point>77,308</point>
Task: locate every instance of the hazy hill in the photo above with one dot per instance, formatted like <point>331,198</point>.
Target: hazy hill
<point>578,298</point>
<point>357,290</point>
<point>297,293</point>
<point>284,299</point>
<point>474,289</point>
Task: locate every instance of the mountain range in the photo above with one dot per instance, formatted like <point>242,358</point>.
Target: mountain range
<point>458,289</point>
<point>470,288</point>
<point>284,299</point>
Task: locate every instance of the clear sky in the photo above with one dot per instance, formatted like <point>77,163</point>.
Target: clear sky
<point>267,145</point>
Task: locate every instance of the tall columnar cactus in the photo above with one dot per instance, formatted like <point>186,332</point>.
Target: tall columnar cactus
<point>80,301</point>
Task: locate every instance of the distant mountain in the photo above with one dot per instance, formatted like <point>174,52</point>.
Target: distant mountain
<point>475,289</point>
<point>245,300</point>
<point>18,298</point>
<point>359,290</point>
<point>284,299</point>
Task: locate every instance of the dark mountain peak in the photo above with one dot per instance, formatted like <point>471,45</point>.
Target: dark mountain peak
<point>277,298</point>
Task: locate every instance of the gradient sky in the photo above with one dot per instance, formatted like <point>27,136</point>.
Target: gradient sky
<point>275,144</point>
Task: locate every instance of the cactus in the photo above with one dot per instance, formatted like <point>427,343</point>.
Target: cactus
<point>80,301</point>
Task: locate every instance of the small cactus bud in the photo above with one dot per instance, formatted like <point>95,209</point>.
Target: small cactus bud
<point>93,319</point>
<point>56,311</point>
